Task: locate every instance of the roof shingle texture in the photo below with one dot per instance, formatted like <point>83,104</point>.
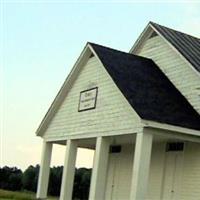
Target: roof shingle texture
<point>147,89</point>
<point>187,45</point>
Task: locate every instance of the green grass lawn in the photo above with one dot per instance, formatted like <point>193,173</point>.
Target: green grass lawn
<point>9,195</point>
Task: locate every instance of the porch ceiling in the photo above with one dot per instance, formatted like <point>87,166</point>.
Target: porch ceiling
<point>121,140</point>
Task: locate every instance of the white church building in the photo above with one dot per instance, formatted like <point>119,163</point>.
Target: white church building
<point>139,111</point>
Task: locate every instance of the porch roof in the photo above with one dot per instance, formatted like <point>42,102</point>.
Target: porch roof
<point>147,89</point>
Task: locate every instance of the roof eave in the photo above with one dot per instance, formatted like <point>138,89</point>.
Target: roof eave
<point>63,90</point>
<point>169,127</point>
<point>145,35</point>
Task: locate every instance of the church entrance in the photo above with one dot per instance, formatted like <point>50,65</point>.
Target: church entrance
<point>172,172</point>
<point>119,173</point>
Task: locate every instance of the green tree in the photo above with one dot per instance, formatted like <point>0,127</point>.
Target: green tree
<point>10,178</point>
<point>30,178</point>
<point>55,180</point>
<point>82,183</point>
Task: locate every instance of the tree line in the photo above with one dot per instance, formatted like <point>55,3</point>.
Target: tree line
<point>12,178</point>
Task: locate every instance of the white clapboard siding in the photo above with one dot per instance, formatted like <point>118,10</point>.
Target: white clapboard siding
<point>156,171</point>
<point>186,80</point>
<point>120,170</point>
<point>191,172</point>
<point>190,176</point>
<point>120,173</point>
<point>113,114</point>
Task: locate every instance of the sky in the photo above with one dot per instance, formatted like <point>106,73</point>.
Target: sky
<point>40,41</point>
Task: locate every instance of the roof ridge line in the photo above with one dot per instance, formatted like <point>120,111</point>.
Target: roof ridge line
<point>120,51</point>
<point>153,24</point>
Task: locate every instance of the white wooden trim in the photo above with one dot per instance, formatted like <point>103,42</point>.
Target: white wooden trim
<point>67,86</point>
<point>145,35</point>
<point>177,52</point>
<point>64,89</point>
<point>172,135</point>
<point>141,39</point>
<point>178,129</point>
<point>93,135</point>
<point>144,124</point>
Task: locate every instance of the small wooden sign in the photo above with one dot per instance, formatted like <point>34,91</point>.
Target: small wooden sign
<point>88,99</point>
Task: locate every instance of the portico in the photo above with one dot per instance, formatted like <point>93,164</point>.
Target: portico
<point>141,144</point>
<point>145,133</point>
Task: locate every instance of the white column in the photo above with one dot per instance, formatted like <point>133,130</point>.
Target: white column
<point>44,171</point>
<point>141,166</point>
<point>68,171</point>
<point>99,171</point>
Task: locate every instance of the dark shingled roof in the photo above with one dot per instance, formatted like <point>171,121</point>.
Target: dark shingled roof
<point>147,89</point>
<point>187,45</point>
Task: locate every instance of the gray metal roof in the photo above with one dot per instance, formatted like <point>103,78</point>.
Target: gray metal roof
<point>187,45</point>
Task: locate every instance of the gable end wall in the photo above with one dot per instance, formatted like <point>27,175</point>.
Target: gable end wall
<point>185,79</point>
<point>112,115</point>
